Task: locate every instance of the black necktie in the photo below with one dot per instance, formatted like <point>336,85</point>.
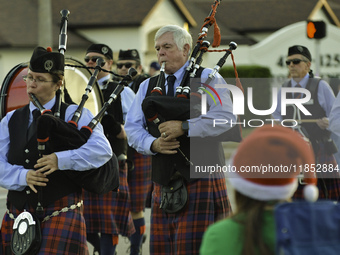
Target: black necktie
<point>32,128</point>
<point>171,83</point>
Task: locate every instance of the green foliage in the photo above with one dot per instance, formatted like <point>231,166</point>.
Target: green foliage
<point>251,71</point>
<point>259,79</point>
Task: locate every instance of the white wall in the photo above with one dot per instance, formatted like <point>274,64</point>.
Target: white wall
<point>116,38</point>
<point>9,58</point>
<point>273,50</point>
<point>136,38</point>
<point>163,14</point>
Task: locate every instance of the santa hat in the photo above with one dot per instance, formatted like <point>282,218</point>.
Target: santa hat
<point>268,162</point>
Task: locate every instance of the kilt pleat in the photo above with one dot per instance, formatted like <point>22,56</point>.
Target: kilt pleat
<point>140,184</point>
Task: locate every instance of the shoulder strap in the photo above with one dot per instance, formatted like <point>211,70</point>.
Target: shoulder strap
<point>152,83</point>
<point>313,85</point>
<point>137,81</point>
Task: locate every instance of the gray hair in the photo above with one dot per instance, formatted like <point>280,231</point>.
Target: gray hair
<point>305,59</point>
<point>181,36</point>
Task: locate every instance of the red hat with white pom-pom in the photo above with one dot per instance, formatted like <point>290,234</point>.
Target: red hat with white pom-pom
<point>267,164</point>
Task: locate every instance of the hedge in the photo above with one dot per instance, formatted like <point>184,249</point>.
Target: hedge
<point>257,78</point>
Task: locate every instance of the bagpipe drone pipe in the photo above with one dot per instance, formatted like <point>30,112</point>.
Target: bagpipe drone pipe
<point>54,134</point>
<point>158,108</point>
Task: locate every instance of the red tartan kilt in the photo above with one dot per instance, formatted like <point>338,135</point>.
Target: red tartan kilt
<point>328,182</point>
<point>140,184</point>
<point>182,233</point>
<point>62,234</point>
<point>110,213</point>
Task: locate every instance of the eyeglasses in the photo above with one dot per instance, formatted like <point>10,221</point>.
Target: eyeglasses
<point>127,65</point>
<point>295,61</point>
<point>94,59</point>
<point>30,79</point>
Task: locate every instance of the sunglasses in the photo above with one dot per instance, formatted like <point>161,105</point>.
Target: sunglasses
<point>94,59</point>
<point>127,65</point>
<point>295,61</point>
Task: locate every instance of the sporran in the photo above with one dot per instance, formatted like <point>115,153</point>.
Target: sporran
<point>174,196</point>
<point>26,238</point>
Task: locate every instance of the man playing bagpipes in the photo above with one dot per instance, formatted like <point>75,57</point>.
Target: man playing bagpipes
<point>315,126</point>
<point>39,185</point>
<point>108,215</point>
<point>178,220</point>
<point>139,175</point>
